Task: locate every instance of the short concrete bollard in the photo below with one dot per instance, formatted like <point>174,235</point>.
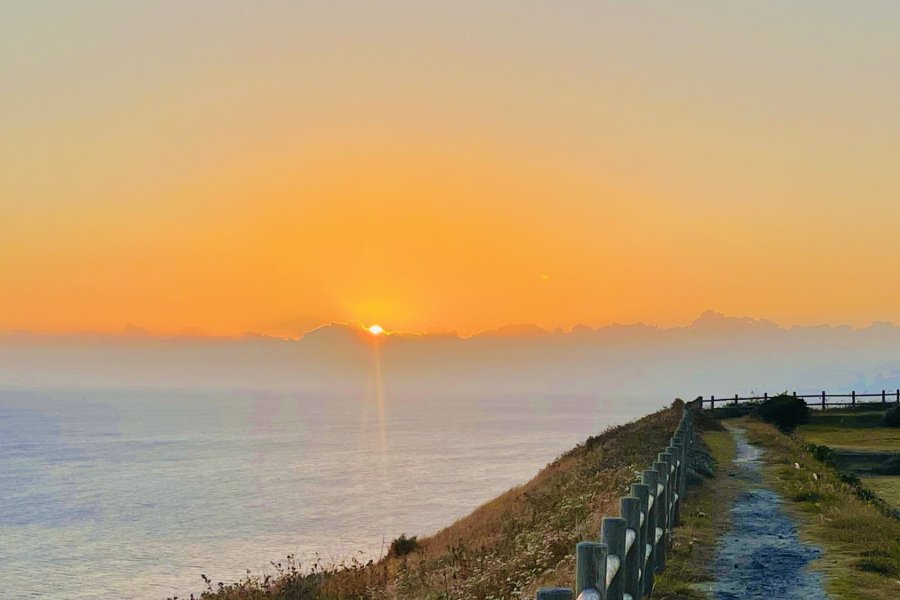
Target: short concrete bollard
<point>630,509</point>
<point>555,593</point>
<point>673,484</point>
<point>590,567</point>
<point>662,516</point>
<point>651,479</point>
<point>612,533</point>
<point>640,491</point>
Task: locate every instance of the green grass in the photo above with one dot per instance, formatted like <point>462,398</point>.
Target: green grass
<point>861,542</point>
<point>851,430</point>
<point>887,487</point>
<point>704,517</point>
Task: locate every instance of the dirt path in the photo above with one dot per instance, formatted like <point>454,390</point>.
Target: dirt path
<point>761,556</point>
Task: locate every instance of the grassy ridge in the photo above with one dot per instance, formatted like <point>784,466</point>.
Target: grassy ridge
<point>508,548</point>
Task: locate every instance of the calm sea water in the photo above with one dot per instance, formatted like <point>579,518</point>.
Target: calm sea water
<point>134,494</point>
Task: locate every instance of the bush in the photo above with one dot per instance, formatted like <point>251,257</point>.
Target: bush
<point>891,417</point>
<point>822,453</point>
<point>403,545</point>
<point>784,411</point>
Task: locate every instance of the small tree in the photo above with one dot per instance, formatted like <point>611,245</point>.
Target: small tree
<point>784,411</point>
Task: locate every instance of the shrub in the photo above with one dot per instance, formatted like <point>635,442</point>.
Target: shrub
<point>403,545</point>
<point>891,417</point>
<point>822,453</point>
<point>784,411</point>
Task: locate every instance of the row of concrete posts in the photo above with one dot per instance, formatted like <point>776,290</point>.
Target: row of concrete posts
<point>631,550</point>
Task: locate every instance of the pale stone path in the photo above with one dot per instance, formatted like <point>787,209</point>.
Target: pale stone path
<point>761,556</point>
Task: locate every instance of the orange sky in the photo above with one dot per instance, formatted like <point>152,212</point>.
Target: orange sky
<point>454,167</point>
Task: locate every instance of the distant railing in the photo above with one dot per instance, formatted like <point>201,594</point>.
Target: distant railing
<point>632,546</point>
<point>818,400</point>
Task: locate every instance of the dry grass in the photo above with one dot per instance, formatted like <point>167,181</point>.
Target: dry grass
<point>861,542</point>
<point>508,548</point>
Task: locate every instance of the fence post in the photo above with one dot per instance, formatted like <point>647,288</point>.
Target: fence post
<point>641,491</point>
<point>735,399</point>
<point>612,533</point>
<point>690,448</point>
<point>662,514</point>
<point>555,593</point>
<point>712,402</point>
<point>681,443</point>
<point>883,397</point>
<point>667,456</point>
<point>651,479</point>
<point>853,398</point>
<point>590,567</point>
<point>630,509</point>
<point>766,396</point>
<point>674,484</point>
<point>823,399</point>
<point>898,396</point>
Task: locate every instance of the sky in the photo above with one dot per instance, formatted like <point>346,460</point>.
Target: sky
<point>273,166</point>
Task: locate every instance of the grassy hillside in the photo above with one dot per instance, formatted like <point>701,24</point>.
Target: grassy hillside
<point>507,548</point>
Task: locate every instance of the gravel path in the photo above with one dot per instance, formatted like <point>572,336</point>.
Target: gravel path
<point>761,556</point>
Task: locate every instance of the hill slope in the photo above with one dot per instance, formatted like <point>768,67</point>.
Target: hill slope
<point>508,548</point>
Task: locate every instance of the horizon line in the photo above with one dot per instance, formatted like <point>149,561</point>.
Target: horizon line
<point>708,318</point>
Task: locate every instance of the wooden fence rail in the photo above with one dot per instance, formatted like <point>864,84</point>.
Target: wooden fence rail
<point>814,400</point>
<point>632,547</point>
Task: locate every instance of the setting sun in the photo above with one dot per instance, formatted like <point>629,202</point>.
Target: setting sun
<point>376,330</point>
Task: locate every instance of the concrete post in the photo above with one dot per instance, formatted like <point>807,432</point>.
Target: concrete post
<point>590,567</point>
<point>630,509</point>
<point>678,444</point>
<point>612,533</point>
<point>667,458</point>
<point>555,593</point>
<point>662,515</point>
<point>651,479</point>
<point>674,484</point>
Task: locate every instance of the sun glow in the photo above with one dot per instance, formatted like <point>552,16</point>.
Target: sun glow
<point>376,330</point>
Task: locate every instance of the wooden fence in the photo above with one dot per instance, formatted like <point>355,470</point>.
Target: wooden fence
<point>820,401</point>
<point>632,547</point>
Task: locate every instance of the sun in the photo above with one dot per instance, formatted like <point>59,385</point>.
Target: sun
<point>376,329</point>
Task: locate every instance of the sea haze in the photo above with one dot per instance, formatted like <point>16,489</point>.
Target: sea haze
<point>133,493</point>
<point>132,478</point>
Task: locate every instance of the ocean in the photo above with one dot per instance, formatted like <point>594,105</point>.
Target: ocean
<point>136,493</point>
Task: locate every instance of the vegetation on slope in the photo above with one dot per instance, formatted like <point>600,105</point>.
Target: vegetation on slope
<point>507,548</point>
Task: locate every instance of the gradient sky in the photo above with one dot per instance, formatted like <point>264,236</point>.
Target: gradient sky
<point>271,166</point>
